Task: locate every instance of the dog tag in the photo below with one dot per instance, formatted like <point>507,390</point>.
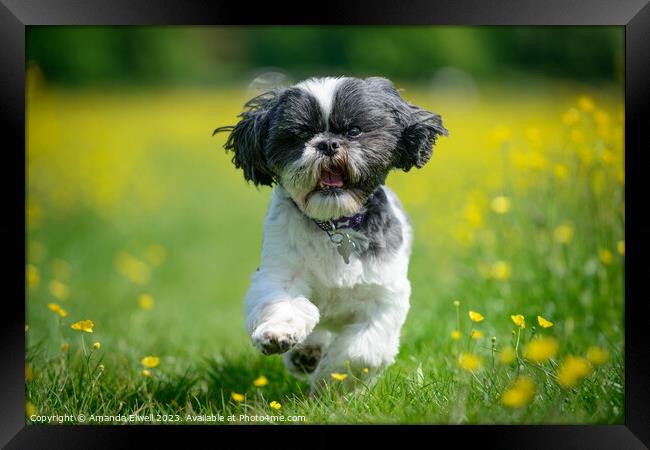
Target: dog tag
<point>345,245</point>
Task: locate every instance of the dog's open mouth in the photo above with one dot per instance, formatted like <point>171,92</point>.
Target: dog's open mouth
<point>331,179</point>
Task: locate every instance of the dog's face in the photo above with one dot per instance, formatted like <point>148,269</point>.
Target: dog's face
<point>330,142</point>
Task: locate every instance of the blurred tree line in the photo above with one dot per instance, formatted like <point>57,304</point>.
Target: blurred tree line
<point>211,55</point>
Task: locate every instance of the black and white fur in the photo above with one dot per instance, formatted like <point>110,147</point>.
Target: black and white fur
<point>327,145</point>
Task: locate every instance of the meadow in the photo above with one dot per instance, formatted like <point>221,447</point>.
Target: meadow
<point>139,223</point>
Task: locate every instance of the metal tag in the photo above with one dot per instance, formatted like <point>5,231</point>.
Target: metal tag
<point>344,245</point>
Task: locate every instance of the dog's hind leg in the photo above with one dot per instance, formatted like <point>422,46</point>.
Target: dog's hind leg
<point>363,349</point>
<point>302,359</point>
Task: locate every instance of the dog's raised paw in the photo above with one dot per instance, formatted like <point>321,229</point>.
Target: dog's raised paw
<point>270,342</point>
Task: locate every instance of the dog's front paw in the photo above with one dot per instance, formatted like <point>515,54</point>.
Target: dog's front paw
<point>277,326</point>
<point>273,339</point>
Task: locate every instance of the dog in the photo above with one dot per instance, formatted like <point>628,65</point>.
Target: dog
<point>331,292</point>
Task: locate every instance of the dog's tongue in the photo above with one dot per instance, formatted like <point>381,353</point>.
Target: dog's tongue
<point>332,179</point>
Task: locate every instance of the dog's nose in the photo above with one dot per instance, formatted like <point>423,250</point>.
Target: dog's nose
<point>329,146</point>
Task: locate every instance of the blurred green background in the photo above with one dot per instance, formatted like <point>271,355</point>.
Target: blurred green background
<point>138,220</point>
<point>212,55</point>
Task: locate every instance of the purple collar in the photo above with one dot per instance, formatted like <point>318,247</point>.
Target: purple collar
<point>346,242</point>
<point>351,222</point>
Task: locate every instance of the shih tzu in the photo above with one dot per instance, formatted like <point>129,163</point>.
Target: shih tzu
<point>331,292</point>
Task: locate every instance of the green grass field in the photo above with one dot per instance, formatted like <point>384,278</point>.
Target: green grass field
<point>520,211</point>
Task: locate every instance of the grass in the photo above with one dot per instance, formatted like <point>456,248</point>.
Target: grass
<point>520,211</point>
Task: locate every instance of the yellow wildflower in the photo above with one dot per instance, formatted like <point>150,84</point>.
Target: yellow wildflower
<point>469,362</point>
<point>260,381</point>
<point>543,322</point>
<point>577,137</point>
<point>519,320</point>
<point>55,308</point>
<point>155,254</point>
<point>65,347</point>
<point>536,160</point>
<point>520,393</point>
<point>608,157</point>
<point>541,349</point>
<point>455,335</point>
<point>476,316</point>
<point>597,355</point>
<point>339,376</point>
<point>586,103</point>
<point>145,301</point>
<point>500,205</point>
<point>275,405</point>
<point>32,275</point>
<point>501,134</point>
<point>563,234</point>
<point>97,345</point>
<point>621,247</point>
<point>30,409</point>
<point>533,135</point>
<point>501,270</point>
<point>146,373</point>
<point>476,334</point>
<point>571,370</point>
<point>601,118</point>
<point>473,214</point>
<point>59,290</point>
<point>83,325</point>
<point>237,397</point>
<point>507,355</point>
<point>132,268</point>
<point>561,171</point>
<point>365,370</point>
<point>60,269</point>
<point>606,257</point>
<point>150,361</point>
<point>571,117</point>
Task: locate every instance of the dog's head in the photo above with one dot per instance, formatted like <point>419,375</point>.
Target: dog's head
<point>330,142</point>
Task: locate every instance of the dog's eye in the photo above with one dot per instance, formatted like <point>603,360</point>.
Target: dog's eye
<point>354,132</point>
<point>304,135</point>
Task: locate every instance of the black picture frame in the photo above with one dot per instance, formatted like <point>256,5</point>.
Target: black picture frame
<point>633,15</point>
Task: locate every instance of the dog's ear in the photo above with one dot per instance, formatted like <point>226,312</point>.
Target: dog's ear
<point>247,138</point>
<point>420,128</point>
<point>420,134</point>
